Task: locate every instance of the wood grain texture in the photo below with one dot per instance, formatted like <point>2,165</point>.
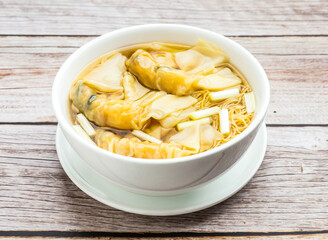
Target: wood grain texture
<point>287,198</point>
<point>296,67</point>
<point>280,237</point>
<point>227,17</point>
<point>288,193</point>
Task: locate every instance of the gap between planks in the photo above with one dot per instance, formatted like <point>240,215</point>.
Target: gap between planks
<point>178,235</point>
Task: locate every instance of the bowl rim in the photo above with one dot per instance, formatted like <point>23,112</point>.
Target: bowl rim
<point>67,126</point>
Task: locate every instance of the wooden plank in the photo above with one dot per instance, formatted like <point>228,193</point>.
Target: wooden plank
<point>288,193</point>
<point>296,67</point>
<point>228,17</point>
<point>258,237</point>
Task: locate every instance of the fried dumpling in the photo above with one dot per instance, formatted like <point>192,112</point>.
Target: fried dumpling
<point>108,76</point>
<point>134,147</point>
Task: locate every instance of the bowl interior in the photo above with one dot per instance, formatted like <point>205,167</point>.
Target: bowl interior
<point>240,57</point>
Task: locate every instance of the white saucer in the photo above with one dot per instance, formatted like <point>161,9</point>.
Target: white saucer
<point>203,197</point>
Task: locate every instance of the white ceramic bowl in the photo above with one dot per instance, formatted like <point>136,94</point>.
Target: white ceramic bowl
<point>159,176</point>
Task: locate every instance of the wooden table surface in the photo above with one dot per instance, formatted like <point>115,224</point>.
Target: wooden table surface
<point>287,198</point>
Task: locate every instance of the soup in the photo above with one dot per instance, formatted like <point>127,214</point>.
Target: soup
<point>161,100</point>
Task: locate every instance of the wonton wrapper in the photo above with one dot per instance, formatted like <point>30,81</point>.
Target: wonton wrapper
<point>157,131</point>
<point>168,104</point>
<point>107,112</point>
<point>220,80</point>
<point>197,138</point>
<point>133,90</point>
<point>108,76</point>
<point>155,76</point>
<point>164,58</point>
<point>174,118</point>
<point>134,147</point>
<point>203,57</point>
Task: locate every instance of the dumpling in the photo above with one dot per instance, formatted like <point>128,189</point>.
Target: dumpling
<point>174,118</point>
<point>157,131</point>
<point>201,58</point>
<point>197,138</point>
<point>220,80</point>
<point>155,76</point>
<point>164,58</point>
<point>133,90</point>
<point>168,104</point>
<point>176,81</point>
<point>108,76</point>
<point>134,147</point>
<point>125,114</point>
<point>106,112</point>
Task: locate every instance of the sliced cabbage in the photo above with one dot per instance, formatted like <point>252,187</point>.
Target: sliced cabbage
<point>108,76</point>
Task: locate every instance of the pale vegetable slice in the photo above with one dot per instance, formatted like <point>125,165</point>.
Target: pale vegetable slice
<point>82,133</point>
<point>108,76</point>
<point>85,124</point>
<point>221,95</point>
<point>184,125</point>
<point>218,81</point>
<point>133,90</point>
<point>204,113</point>
<point>145,136</point>
<point>250,102</point>
<point>168,104</point>
<point>224,121</point>
<point>174,118</point>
